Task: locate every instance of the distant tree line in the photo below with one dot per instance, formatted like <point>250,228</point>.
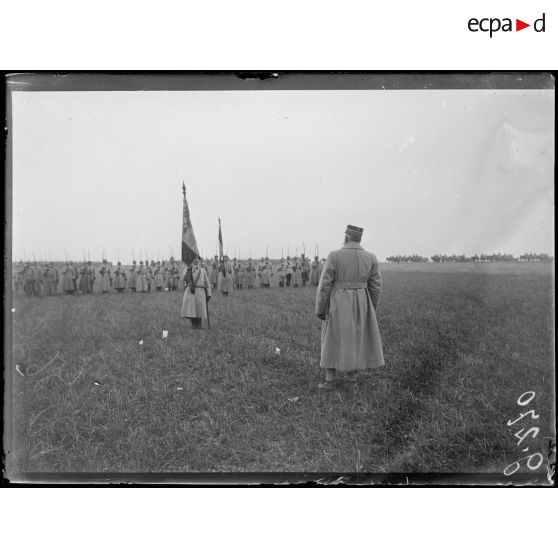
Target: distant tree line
<point>532,257</point>
<point>445,258</point>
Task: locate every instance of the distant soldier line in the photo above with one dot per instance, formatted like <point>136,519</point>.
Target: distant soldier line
<point>225,275</point>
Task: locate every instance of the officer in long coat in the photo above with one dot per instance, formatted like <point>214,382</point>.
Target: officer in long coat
<point>197,292</point>
<point>346,300</point>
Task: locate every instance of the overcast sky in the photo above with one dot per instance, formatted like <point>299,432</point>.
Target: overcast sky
<point>422,171</point>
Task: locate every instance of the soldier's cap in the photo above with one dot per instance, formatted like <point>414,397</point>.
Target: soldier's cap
<point>134,261</point>
<point>119,263</point>
<point>141,262</point>
<point>88,263</point>
<point>354,233</point>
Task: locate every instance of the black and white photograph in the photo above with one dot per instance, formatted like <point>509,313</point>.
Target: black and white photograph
<point>280,277</point>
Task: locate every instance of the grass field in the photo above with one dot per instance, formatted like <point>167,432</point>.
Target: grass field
<point>461,344</point>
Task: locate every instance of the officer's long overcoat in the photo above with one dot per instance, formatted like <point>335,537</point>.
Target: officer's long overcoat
<point>348,295</point>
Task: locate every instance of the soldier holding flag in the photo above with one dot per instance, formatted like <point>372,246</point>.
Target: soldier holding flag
<point>197,288</point>
<point>197,292</point>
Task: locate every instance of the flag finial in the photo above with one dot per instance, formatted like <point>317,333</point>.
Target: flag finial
<point>183,189</point>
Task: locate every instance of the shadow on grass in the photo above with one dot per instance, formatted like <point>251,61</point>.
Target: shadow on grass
<point>416,387</point>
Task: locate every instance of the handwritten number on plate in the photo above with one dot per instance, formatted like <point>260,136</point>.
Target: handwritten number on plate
<point>533,431</point>
<point>531,412</point>
<point>520,400</point>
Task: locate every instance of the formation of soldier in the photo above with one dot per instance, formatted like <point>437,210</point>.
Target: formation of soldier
<point>46,278</point>
<point>225,275</point>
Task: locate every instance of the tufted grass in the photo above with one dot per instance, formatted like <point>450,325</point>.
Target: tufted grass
<point>460,346</point>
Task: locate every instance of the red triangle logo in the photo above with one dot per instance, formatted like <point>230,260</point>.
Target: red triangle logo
<point>519,25</point>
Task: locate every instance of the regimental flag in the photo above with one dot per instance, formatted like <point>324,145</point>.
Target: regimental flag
<point>189,245</point>
<point>220,241</point>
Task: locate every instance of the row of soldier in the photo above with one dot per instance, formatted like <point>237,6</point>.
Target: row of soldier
<point>226,275</point>
<point>43,279</point>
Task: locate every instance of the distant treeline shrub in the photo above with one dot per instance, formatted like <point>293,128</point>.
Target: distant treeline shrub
<point>405,259</point>
<point>444,258</point>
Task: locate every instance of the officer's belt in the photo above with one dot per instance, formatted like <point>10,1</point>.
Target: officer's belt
<point>349,285</point>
